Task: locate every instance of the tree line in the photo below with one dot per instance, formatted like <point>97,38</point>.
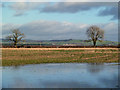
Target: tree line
<point>94,34</point>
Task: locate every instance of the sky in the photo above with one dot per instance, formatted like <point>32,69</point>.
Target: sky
<point>59,20</point>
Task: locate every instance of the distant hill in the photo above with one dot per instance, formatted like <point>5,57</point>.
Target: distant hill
<point>72,42</point>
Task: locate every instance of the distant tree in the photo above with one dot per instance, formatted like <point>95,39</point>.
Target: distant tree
<point>16,36</point>
<point>95,34</point>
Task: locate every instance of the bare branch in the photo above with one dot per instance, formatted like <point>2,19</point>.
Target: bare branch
<point>95,33</point>
<point>16,36</point>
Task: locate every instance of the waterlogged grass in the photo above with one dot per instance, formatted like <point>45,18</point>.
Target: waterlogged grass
<point>22,57</point>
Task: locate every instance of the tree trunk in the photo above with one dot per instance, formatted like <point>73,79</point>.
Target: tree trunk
<point>15,44</point>
<point>94,43</point>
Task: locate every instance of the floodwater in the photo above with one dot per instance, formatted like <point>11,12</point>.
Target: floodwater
<point>68,75</point>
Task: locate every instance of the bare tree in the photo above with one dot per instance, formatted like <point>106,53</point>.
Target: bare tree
<point>16,36</point>
<point>95,33</point>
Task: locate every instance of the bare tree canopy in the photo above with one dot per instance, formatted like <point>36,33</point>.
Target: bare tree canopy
<point>16,36</point>
<point>95,33</point>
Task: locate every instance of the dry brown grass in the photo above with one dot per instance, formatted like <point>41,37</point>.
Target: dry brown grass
<point>20,56</point>
<point>59,48</point>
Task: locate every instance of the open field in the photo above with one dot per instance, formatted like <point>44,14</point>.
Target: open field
<point>59,48</point>
<point>62,42</point>
<point>22,56</point>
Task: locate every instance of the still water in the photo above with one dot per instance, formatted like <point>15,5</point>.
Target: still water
<point>68,75</point>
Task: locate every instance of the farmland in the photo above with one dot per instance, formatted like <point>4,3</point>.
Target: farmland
<point>66,42</point>
<point>22,56</point>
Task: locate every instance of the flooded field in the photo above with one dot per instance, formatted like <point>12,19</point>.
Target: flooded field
<point>60,75</point>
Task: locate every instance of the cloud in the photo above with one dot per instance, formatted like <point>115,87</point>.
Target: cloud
<point>111,31</point>
<point>22,7</point>
<point>52,30</point>
<point>112,11</point>
<point>7,28</point>
<point>60,0</point>
<point>110,8</point>
<point>2,5</point>
<point>73,7</point>
<point>0,30</point>
<point>90,0</point>
<point>48,30</point>
<point>31,0</point>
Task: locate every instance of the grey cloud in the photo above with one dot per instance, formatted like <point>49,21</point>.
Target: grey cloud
<point>22,8</point>
<point>2,5</point>
<point>51,30</point>
<point>18,14</point>
<point>74,7</point>
<point>112,11</point>
<point>7,28</point>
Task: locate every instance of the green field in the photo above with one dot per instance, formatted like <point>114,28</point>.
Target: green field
<point>63,42</point>
<point>22,57</point>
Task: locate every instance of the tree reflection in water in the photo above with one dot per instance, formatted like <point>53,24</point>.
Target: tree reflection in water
<point>95,67</point>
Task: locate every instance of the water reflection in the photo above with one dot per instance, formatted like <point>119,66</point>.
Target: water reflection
<point>95,67</point>
<point>0,77</point>
<point>69,75</point>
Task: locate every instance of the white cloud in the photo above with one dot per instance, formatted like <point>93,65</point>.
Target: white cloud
<point>0,30</point>
<point>111,31</point>
<point>51,30</point>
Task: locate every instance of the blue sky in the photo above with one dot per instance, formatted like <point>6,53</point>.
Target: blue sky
<point>49,18</point>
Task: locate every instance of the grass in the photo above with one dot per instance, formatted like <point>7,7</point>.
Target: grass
<point>22,57</point>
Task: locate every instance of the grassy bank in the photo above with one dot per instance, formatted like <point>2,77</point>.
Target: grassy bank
<point>24,56</point>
